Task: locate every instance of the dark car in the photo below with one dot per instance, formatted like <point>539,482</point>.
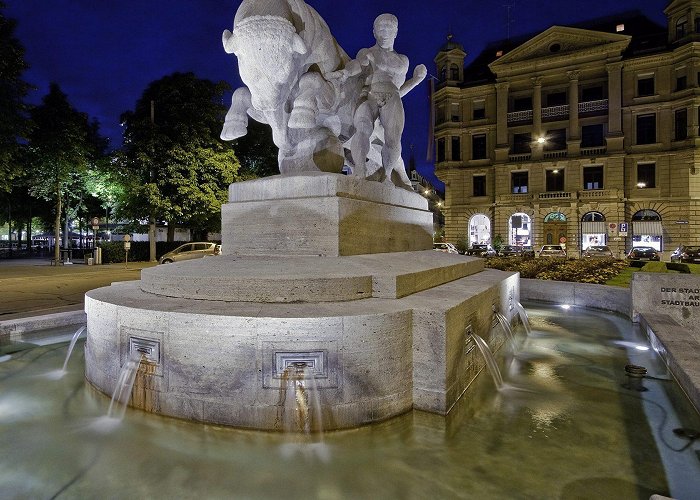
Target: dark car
<point>597,251</point>
<point>686,253</point>
<point>552,251</point>
<point>481,250</point>
<point>643,253</point>
<point>516,251</point>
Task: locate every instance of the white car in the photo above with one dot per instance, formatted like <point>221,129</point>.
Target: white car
<point>445,247</point>
<point>189,251</point>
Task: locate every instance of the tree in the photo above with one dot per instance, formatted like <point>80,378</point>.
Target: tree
<point>179,169</point>
<point>13,90</point>
<point>62,145</point>
<point>256,151</point>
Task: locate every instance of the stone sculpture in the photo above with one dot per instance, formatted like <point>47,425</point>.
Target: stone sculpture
<point>325,110</point>
<point>384,74</point>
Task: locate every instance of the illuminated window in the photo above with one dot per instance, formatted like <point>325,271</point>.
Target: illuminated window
<point>620,27</point>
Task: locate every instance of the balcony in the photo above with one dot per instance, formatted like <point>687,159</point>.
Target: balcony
<point>520,116</point>
<point>561,153</point>
<point>593,107</point>
<point>594,151</point>
<point>557,195</point>
<point>552,113</point>
<point>513,198</point>
<point>598,194</point>
<point>520,157</point>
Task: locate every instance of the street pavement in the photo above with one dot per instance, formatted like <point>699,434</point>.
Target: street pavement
<point>32,288</point>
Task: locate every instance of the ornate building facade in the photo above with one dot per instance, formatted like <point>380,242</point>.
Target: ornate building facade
<point>578,135</point>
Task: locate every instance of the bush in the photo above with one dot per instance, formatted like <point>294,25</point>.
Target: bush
<point>678,266</point>
<point>654,267</point>
<point>577,270</point>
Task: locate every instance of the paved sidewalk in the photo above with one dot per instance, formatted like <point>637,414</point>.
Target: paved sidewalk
<point>34,293</point>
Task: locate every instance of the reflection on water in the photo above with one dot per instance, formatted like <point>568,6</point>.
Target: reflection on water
<point>561,427</point>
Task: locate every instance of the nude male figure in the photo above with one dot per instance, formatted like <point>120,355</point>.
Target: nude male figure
<point>385,85</point>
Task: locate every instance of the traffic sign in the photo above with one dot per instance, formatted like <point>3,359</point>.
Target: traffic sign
<point>622,228</point>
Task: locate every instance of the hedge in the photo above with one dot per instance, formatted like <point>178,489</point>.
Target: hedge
<point>113,251</point>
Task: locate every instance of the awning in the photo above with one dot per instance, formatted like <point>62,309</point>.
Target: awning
<point>648,227</point>
<point>599,227</point>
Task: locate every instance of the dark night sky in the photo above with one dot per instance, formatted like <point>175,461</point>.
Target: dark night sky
<point>103,53</point>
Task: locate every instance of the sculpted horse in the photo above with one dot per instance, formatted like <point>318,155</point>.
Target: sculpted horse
<point>285,50</point>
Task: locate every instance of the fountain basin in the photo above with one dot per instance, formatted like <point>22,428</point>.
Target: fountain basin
<point>221,362</point>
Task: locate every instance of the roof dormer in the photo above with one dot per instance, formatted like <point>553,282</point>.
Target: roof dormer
<point>450,62</point>
<point>683,20</point>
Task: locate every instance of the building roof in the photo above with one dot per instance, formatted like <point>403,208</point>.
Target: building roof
<point>647,37</point>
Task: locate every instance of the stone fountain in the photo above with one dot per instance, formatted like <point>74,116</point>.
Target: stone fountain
<point>319,269</point>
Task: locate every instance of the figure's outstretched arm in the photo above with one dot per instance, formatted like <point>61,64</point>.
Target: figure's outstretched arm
<point>352,68</point>
<point>418,75</point>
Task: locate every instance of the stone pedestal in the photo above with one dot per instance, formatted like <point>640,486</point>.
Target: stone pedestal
<point>323,214</point>
<point>381,331</point>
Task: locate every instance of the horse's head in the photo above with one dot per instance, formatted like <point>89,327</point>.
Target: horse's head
<point>268,50</point>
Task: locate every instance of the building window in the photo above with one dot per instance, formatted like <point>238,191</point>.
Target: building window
<point>681,27</point>
<point>593,217</point>
<point>681,83</point>
<point>456,148</point>
<point>556,99</point>
<point>697,25</point>
<point>522,103</point>
<point>454,72</point>
<point>646,175</point>
<point>478,110</point>
<point>443,73</point>
<point>593,177</point>
<point>479,147</point>
<point>592,94</point>
<point>519,182</point>
<point>645,85</point>
<point>680,119</point>
<point>455,115</point>
<point>520,230</point>
<point>479,185</point>
<point>555,140</point>
<point>479,229</point>
<point>646,129</point>
<point>440,114</point>
<point>521,143</point>
<point>441,149</point>
<point>619,28</point>
<point>554,179</point>
<point>592,136</point>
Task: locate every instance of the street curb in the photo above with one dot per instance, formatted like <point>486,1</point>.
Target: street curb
<point>12,327</point>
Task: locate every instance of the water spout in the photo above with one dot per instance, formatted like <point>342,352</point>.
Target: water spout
<point>507,329</point>
<point>490,361</point>
<point>125,383</point>
<point>524,319</point>
<point>71,346</point>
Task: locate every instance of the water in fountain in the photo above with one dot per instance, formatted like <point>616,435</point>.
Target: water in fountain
<point>507,329</point>
<point>125,383</point>
<point>57,374</point>
<point>524,319</point>
<point>490,361</point>
<point>299,413</point>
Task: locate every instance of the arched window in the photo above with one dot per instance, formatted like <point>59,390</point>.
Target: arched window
<point>681,27</point>
<point>479,229</point>
<point>646,215</point>
<point>443,73</point>
<point>555,217</point>
<point>593,217</point>
<point>454,72</point>
<point>520,230</point>
<point>593,230</point>
<point>647,229</point>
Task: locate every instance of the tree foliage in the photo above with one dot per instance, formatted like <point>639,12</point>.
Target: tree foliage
<point>177,168</point>
<point>256,151</point>
<point>62,145</point>
<point>13,90</point>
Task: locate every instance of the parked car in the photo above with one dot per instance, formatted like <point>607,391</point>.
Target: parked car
<point>445,247</point>
<point>643,253</point>
<point>686,253</point>
<point>481,250</point>
<point>515,251</point>
<point>195,250</point>
<point>552,251</point>
<point>597,252</point>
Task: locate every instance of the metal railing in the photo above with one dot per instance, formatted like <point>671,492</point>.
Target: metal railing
<point>520,116</point>
<point>555,111</point>
<point>593,106</point>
